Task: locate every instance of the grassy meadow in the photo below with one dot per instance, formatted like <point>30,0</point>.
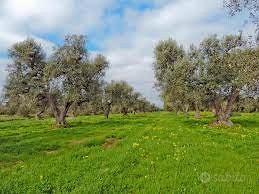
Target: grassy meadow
<point>143,153</point>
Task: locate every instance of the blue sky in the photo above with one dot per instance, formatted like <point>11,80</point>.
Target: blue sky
<point>125,31</point>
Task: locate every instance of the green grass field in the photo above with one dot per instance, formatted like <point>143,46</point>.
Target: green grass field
<point>145,153</point>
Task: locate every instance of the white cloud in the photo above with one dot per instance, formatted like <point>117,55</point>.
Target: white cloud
<point>31,18</point>
<point>20,19</point>
<point>131,52</point>
<point>7,38</point>
<point>59,15</point>
<point>135,31</point>
<point>47,46</point>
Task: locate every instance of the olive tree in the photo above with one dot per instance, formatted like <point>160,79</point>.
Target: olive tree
<point>72,76</point>
<point>231,67</point>
<point>25,81</point>
<point>178,75</point>
<point>216,73</point>
<point>121,95</point>
<point>167,54</point>
<point>194,81</point>
<point>118,93</point>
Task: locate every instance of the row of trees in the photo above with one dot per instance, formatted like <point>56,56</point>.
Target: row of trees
<point>220,74</point>
<point>68,78</point>
<point>115,97</point>
<point>122,97</point>
<point>211,76</point>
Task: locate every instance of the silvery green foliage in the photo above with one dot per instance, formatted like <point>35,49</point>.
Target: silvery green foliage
<point>215,74</point>
<point>123,96</point>
<point>167,53</point>
<point>25,81</point>
<point>73,75</point>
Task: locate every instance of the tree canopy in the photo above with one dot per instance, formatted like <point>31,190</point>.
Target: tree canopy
<point>69,76</point>
<point>212,75</point>
<point>121,95</point>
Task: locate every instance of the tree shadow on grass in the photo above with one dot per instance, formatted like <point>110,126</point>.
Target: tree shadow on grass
<point>11,118</point>
<point>205,121</point>
<point>191,122</point>
<point>247,123</point>
<point>105,123</point>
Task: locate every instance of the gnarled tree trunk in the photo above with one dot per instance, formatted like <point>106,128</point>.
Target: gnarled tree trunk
<point>223,114</point>
<point>60,115</point>
<point>107,110</point>
<point>39,114</point>
<point>124,111</point>
<point>41,102</point>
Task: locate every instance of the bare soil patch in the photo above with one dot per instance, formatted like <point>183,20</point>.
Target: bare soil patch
<point>110,143</point>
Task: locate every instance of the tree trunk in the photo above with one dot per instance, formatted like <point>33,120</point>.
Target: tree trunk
<point>74,110</point>
<point>39,114</point>
<point>59,115</point>
<point>124,111</point>
<point>54,107</point>
<point>106,114</point>
<point>223,115</point>
<point>107,110</point>
<point>42,102</point>
<point>61,122</point>
<point>62,117</point>
<point>186,110</point>
<point>231,101</point>
<point>197,111</point>
<point>223,120</point>
<point>217,106</point>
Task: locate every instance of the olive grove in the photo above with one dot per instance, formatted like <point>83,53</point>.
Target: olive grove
<point>69,81</point>
<point>211,76</point>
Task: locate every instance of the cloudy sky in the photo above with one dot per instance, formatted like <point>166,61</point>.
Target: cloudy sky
<point>125,31</point>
